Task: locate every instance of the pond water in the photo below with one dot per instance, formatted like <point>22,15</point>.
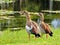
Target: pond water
<point>55,23</point>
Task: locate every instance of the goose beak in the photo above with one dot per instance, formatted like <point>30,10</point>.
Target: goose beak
<point>38,14</point>
<point>21,13</point>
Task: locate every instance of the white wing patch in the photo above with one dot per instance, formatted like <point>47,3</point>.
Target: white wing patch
<point>41,29</point>
<point>28,28</point>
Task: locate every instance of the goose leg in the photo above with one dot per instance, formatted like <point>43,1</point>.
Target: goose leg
<point>41,35</point>
<point>29,36</point>
<point>34,37</point>
<point>46,36</point>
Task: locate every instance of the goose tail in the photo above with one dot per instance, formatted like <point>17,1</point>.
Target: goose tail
<point>51,33</point>
<point>36,35</point>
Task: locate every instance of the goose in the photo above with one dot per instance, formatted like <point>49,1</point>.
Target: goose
<point>31,26</point>
<point>44,27</point>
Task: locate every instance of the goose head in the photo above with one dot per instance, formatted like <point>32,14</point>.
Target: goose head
<point>41,16</point>
<point>27,14</point>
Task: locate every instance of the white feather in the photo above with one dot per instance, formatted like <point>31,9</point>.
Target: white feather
<point>28,28</point>
<point>41,29</point>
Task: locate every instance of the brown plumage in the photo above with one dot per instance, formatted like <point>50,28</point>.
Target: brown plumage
<point>44,27</point>
<point>31,26</point>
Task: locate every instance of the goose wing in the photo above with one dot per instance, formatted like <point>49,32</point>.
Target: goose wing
<point>35,27</point>
<point>45,27</point>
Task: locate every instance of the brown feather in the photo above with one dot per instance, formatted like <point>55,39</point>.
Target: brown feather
<point>35,25</point>
<point>46,27</point>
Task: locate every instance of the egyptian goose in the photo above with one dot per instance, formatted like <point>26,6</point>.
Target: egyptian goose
<point>31,26</point>
<point>44,27</point>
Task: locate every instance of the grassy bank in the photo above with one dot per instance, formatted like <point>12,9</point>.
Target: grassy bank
<point>8,37</point>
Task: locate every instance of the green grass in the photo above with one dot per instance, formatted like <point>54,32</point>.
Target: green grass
<point>8,37</point>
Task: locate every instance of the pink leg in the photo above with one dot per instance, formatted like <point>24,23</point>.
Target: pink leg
<point>34,37</point>
<point>46,36</point>
<point>29,36</point>
<point>40,36</point>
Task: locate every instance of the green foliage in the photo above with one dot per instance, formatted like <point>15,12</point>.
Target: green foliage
<point>34,17</point>
<point>52,16</point>
<point>3,24</point>
<point>32,5</point>
<point>56,5</point>
<point>33,8</point>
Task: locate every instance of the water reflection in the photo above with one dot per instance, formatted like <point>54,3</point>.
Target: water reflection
<point>55,23</point>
